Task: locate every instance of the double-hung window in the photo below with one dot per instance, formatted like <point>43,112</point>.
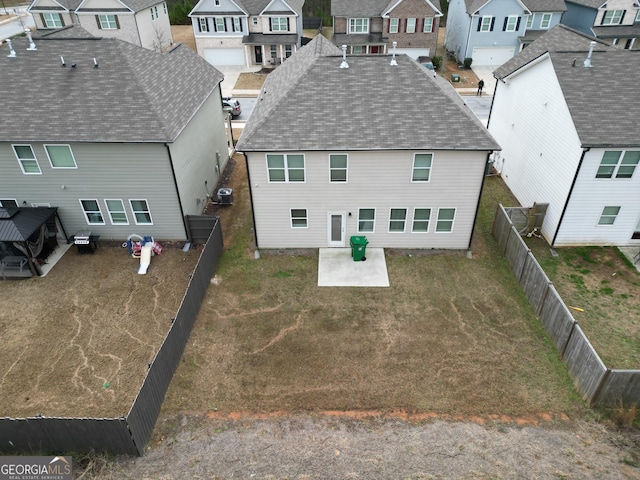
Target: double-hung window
<point>530,21</point>
<point>608,216</point>
<point>203,25</point>
<point>107,22</point>
<point>219,24</point>
<point>358,25</point>
<point>60,156</point>
<point>545,22</point>
<point>154,13</point>
<point>92,212</point>
<point>612,17</point>
<point>338,168</point>
<point>27,159</point>
<point>485,24</point>
<point>141,212</point>
<point>421,217</point>
<point>237,24</point>
<point>52,20</point>
<point>618,164</point>
<point>279,24</point>
<point>421,167</point>
<point>411,25</point>
<point>511,23</point>
<point>428,25</point>
<point>446,216</point>
<point>393,25</point>
<point>366,220</point>
<point>299,218</point>
<point>285,168</point>
<point>117,213</point>
<point>397,220</point>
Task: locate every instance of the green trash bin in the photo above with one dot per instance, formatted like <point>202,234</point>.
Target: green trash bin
<point>359,248</point>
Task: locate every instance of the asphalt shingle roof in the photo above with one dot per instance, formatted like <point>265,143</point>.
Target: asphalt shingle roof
<point>135,5</point>
<point>545,5</point>
<point>18,224</point>
<point>310,103</point>
<point>593,95</point>
<point>251,7</point>
<point>134,95</point>
<point>361,8</point>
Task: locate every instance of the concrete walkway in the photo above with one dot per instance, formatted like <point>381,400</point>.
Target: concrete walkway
<point>336,268</point>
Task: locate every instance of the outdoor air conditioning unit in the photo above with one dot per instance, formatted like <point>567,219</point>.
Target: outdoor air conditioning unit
<point>225,196</point>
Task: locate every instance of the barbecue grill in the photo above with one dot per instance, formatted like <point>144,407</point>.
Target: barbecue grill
<point>85,242</point>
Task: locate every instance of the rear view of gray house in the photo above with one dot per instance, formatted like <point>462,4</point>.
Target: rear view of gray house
<point>120,139</point>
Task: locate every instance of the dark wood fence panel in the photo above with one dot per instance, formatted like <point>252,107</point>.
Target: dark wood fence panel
<point>534,282</point>
<point>620,386</point>
<point>584,365</point>
<point>200,227</point>
<point>556,318</point>
<point>501,229</point>
<point>516,252</point>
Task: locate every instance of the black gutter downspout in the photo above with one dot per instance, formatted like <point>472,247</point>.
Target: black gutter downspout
<point>175,183</point>
<point>493,99</point>
<point>566,204</point>
<point>253,214</point>
<point>475,218</point>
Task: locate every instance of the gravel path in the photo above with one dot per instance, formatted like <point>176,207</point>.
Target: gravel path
<point>324,447</point>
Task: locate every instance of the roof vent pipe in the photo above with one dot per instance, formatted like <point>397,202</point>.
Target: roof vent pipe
<point>393,56</point>
<point>344,63</point>
<point>95,62</point>
<point>12,52</point>
<point>587,61</point>
<point>32,45</point>
<point>62,61</point>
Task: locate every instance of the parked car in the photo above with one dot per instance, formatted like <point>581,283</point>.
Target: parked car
<point>232,106</point>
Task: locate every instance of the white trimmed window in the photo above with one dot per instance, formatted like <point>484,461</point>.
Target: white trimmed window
<point>485,24</point>
<point>618,164</point>
<point>117,213</point>
<point>8,202</point>
<point>107,22</point>
<point>273,50</point>
<point>52,20</point>
<point>421,218</point>
<point>287,51</point>
<point>154,13</point>
<point>27,159</point>
<point>60,156</point>
<point>254,20</point>
<point>411,25</point>
<point>530,21</point>
<point>203,25</point>
<point>428,25</point>
<point>608,216</point>
<point>141,212</point>
<point>338,167</point>
<point>366,220</point>
<point>358,25</point>
<point>237,24</point>
<point>446,217</point>
<point>299,218</point>
<point>545,22</point>
<point>92,212</point>
<point>285,168</point>
<point>397,220</point>
<point>218,23</point>
<point>421,167</point>
<point>393,25</point>
<point>511,23</point>
<point>279,24</point>
<point>612,17</point>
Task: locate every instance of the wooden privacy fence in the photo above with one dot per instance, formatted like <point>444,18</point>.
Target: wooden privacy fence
<point>125,435</point>
<point>598,385</point>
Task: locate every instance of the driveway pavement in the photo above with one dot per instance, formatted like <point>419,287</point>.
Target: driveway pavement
<point>485,72</point>
<point>231,74</point>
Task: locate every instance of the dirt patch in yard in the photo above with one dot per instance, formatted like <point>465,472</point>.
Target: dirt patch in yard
<point>184,34</point>
<point>77,342</point>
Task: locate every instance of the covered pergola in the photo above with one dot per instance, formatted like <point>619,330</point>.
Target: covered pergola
<point>27,237</point>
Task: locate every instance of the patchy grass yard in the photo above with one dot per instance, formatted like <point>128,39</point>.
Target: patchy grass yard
<point>451,335</point>
<point>600,281</point>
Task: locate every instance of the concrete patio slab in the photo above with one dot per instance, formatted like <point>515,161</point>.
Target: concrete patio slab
<point>336,268</point>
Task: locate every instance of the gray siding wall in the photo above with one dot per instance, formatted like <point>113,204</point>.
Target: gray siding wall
<point>579,17</point>
<point>377,179</point>
<point>105,171</point>
<point>457,31</point>
<point>500,9</point>
<point>194,155</point>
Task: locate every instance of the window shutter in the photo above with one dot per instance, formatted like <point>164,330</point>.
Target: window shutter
<point>44,24</point>
<point>61,19</point>
<point>604,14</point>
<point>493,21</point>
<point>518,24</point>
<point>117,22</point>
<point>504,26</point>
<point>420,26</point>
<point>288,29</point>
<point>233,24</point>
<point>479,23</point>
<point>622,17</point>
<point>389,25</point>
<point>199,25</point>
<point>98,22</point>
<point>271,24</point>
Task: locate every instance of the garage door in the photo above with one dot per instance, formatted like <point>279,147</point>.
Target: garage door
<point>492,56</point>
<point>224,56</point>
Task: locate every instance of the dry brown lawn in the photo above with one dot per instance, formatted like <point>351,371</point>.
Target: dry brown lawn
<point>184,34</point>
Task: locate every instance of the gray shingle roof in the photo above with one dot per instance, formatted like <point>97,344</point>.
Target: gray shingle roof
<point>251,7</point>
<point>618,31</point>
<point>18,224</point>
<point>309,103</point>
<point>594,95</point>
<point>361,8</point>
<point>545,5</point>
<point>135,95</point>
<point>135,5</point>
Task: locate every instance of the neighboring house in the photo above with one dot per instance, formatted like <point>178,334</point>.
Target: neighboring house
<point>371,27</point>
<point>617,21</point>
<point>492,31</point>
<point>247,32</point>
<point>140,22</point>
<point>570,137</point>
<point>115,136</point>
<point>327,161</point>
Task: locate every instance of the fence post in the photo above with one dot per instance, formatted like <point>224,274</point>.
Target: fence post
<point>564,348</point>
